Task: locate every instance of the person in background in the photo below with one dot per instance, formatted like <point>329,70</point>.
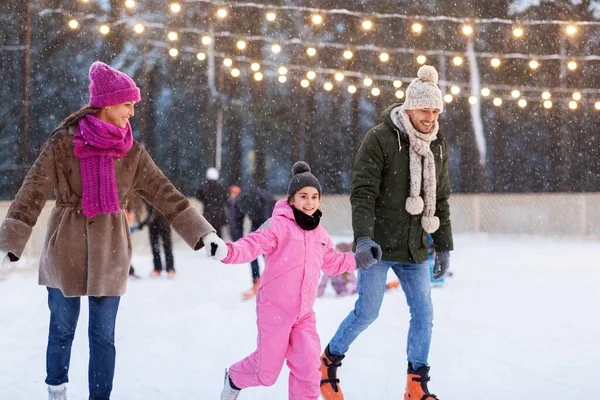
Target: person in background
<point>399,194</point>
<point>159,232</point>
<point>343,284</point>
<point>134,212</point>
<point>297,248</point>
<point>213,196</point>
<point>92,164</point>
<point>235,215</point>
<point>258,205</point>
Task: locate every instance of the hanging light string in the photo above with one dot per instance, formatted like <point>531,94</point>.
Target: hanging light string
<point>375,15</point>
<point>340,75</point>
<point>384,78</point>
<point>405,50</point>
<point>334,45</point>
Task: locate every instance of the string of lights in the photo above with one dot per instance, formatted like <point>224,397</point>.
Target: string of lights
<point>349,50</point>
<point>338,75</point>
<point>375,15</point>
<point>368,81</point>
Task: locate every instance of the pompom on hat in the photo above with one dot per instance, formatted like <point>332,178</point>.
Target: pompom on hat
<point>109,86</point>
<point>423,91</point>
<point>302,177</point>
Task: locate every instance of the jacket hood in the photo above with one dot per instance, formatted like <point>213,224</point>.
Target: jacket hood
<point>284,209</point>
<point>386,119</point>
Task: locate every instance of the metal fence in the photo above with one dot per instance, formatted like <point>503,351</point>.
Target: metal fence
<point>546,214</point>
<point>567,215</point>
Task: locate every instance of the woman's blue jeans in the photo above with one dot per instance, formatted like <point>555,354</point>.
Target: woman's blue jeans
<point>64,313</point>
<point>414,279</point>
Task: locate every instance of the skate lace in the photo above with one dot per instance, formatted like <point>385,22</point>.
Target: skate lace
<point>332,367</point>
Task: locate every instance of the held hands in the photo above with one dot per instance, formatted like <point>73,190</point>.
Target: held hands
<point>215,246</point>
<point>367,252</point>
<point>442,263</point>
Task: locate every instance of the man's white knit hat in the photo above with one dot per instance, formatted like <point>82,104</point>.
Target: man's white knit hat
<point>423,92</point>
<point>212,174</point>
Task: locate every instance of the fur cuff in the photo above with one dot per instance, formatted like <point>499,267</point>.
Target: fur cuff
<point>430,224</point>
<point>414,205</point>
<point>14,235</point>
<point>191,226</point>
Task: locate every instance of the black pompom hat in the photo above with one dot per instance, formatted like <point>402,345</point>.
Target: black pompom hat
<point>302,177</point>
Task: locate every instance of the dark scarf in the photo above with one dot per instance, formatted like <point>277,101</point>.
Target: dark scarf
<point>307,222</point>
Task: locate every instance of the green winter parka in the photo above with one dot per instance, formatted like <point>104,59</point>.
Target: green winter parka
<point>380,187</point>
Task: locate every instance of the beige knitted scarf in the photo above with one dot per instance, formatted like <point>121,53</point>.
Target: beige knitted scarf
<point>422,170</point>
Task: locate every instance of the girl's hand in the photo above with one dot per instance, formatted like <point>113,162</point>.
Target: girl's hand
<point>215,246</point>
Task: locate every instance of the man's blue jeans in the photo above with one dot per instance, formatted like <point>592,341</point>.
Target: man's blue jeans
<point>64,313</point>
<point>414,279</point>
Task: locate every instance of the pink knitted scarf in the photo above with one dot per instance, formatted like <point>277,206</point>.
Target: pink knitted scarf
<point>97,143</point>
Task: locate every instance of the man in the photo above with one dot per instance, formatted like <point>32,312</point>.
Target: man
<point>234,214</point>
<point>213,196</point>
<point>399,195</point>
<point>258,205</point>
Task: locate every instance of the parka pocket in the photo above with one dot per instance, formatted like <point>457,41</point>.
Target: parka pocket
<point>391,228</point>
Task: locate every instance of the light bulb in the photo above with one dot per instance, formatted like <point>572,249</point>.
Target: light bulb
<point>417,28</point>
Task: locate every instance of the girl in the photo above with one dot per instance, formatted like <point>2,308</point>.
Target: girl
<point>93,165</point>
<point>296,248</point>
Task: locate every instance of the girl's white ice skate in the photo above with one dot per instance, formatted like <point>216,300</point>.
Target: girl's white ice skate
<point>228,392</point>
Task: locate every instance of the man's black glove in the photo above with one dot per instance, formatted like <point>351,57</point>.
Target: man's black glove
<point>367,252</point>
<point>442,263</point>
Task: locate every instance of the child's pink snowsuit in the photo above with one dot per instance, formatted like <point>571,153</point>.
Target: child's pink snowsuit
<point>284,302</point>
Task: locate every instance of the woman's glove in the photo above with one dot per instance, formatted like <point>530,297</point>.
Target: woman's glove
<point>215,246</point>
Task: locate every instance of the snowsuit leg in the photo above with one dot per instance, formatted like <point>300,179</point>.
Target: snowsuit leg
<point>303,359</point>
<point>262,367</point>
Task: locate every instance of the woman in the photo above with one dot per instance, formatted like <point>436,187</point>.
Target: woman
<point>93,165</point>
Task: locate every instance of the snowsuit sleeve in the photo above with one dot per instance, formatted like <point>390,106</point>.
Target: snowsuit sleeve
<point>335,262</point>
<point>262,241</point>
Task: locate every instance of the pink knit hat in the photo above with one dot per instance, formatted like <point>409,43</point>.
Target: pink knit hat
<point>110,87</point>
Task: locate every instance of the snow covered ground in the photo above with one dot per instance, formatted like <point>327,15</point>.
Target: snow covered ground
<point>519,320</point>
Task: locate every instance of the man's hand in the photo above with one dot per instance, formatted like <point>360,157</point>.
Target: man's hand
<point>367,252</point>
<point>442,263</point>
<point>215,246</point>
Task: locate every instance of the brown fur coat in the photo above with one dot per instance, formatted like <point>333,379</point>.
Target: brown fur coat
<point>91,256</point>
